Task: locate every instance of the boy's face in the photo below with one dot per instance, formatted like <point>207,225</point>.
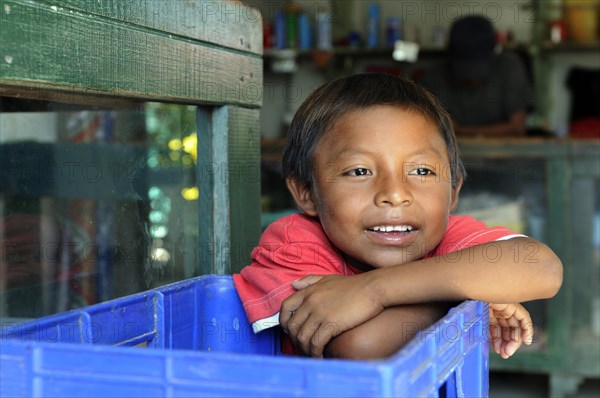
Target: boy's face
<point>382,187</point>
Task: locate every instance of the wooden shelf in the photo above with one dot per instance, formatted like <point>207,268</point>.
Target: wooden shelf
<point>347,51</point>
<point>571,47</point>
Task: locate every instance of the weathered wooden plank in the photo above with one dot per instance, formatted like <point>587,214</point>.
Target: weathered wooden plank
<point>244,183</point>
<point>228,174</point>
<point>213,184</point>
<point>48,48</point>
<point>230,24</point>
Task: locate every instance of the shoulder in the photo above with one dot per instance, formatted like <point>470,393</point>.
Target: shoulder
<point>463,225</point>
<point>510,57</point>
<point>294,228</point>
<point>509,62</point>
<point>459,222</point>
<point>299,242</point>
<point>466,231</point>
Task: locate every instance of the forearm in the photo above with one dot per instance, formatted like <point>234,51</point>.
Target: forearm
<point>511,271</point>
<point>386,333</point>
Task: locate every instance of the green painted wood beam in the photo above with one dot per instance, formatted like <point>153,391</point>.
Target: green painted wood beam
<point>46,47</point>
<point>229,184</point>
<point>231,24</point>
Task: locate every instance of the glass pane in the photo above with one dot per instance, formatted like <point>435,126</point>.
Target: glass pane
<point>96,202</point>
<point>512,193</point>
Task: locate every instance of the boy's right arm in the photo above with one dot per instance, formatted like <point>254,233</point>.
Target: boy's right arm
<point>386,333</point>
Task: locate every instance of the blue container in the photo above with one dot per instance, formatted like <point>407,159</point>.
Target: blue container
<point>280,30</point>
<point>192,338</point>
<point>305,31</point>
<point>393,31</point>
<point>373,25</point>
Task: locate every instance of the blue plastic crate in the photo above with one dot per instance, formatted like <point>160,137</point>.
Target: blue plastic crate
<point>198,342</point>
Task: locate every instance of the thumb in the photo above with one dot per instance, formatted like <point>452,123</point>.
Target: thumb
<point>306,281</point>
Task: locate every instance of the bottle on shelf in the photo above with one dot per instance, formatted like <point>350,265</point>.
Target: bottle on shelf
<point>373,25</point>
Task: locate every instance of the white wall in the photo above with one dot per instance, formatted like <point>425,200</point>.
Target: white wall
<point>28,126</point>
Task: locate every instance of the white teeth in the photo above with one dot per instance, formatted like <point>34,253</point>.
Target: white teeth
<point>390,228</point>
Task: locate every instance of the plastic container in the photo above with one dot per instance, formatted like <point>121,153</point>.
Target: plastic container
<point>280,30</point>
<point>198,343</point>
<point>324,32</point>
<point>373,25</point>
<point>305,30</point>
<point>393,31</point>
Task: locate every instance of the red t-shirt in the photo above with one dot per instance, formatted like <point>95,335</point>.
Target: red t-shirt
<point>296,246</point>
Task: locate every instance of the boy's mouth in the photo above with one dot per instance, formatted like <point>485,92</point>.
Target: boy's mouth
<point>392,228</point>
<point>392,234</point>
<point>399,234</point>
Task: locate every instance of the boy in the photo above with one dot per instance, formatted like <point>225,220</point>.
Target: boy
<point>373,163</point>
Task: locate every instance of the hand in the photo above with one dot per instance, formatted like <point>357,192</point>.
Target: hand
<point>326,306</point>
<point>510,326</point>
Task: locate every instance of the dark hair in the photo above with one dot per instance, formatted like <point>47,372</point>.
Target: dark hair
<point>324,106</point>
<point>471,45</point>
<point>472,36</point>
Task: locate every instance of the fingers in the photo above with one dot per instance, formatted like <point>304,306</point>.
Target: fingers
<point>495,334</point>
<point>296,328</point>
<point>506,338</point>
<point>306,281</point>
<point>510,348</point>
<point>510,327</point>
<point>288,308</point>
<point>525,323</point>
<point>527,333</point>
<point>292,303</point>
<point>520,318</point>
<point>303,330</point>
<point>496,337</point>
<point>306,332</point>
<point>312,337</point>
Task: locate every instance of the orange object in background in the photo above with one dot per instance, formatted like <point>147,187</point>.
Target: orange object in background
<point>582,20</point>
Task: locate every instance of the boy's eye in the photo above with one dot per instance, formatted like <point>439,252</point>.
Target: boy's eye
<point>421,171</point>
<point>361,171</point>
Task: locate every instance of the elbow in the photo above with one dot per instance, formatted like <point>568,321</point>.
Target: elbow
<point>552,273</point>
<point>355,346</point>
<point>556,279</point>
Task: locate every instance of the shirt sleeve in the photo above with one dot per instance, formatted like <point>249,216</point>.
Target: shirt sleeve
<point>289,249</point>
<point>466,231</point>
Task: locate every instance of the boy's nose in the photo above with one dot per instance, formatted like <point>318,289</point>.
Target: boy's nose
<point>393,191</point>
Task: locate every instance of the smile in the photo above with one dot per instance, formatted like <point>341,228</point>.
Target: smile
<point>392,228</point>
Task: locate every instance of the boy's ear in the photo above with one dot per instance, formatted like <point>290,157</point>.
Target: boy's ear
<point>454,195</point>
<point>302,195</point>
